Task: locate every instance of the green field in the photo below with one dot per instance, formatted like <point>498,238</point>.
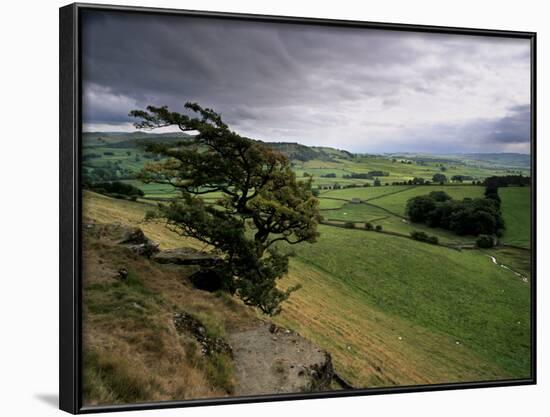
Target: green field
<point>328,203</point>
<point>367,212</point>
<point>399,171</point>
<point>386,205</point>
<point>397,202</point>
<point>364,193</point>
<point>516,209</point>
<point>153,190</point>
<point>126,157</point>
<point>460,296</point>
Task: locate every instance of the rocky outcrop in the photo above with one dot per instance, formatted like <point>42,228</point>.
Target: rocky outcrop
<point>270,359</point>
<point>191,326</point>
<point>132,238</point>
<point>186,256</point>
<point>135,240</point>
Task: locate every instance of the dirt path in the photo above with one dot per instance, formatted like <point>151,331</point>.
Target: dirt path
<point>272,360</point>
<point>523,278</point>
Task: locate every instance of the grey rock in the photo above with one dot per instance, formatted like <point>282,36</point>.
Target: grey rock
<point>185,256</point>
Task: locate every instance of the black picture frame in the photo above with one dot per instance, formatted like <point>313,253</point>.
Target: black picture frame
<point>70,261</point>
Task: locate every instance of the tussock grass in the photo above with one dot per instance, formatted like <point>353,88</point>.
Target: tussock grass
<point>219,369</point>
<point>111,379</point>
<point>133,351</point>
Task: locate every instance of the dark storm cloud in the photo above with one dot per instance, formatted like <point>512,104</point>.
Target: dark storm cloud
<point>483,135</point>
<point>299,83</point>
<point>170,59</point>
<point>514,128</point>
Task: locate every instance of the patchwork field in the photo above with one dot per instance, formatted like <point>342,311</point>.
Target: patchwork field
<point>366,193</point>
<point>359,214</point>
<point>396,202</point>
<point>399,169</point>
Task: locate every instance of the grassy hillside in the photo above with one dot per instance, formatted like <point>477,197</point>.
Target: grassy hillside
<point>132,351</point>
<point>107,210</point>
<point>387,318</point>
<point>390,319</point>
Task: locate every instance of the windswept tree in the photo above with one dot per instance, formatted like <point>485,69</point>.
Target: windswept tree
<point>262,205</point>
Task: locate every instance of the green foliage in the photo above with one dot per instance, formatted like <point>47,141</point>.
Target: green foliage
<point>485,241</point>
<point>506,180</point>
<point>466,217</point>
<point>439,178</point>
<point>439,196</point>
<point>395,198</point>
<point>424,237</point>
<point>461,178</point>
<point>378,228</point>
<point>419,208</point>
<point>261,200</point>
<point>366,175</point>
<point>349,225</point>
<point>369,226</point>
<point>116,188</point>
<point>491,192</point>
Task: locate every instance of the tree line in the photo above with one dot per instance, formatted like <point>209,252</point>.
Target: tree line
<point>116,189</point>
<point>470,216</point>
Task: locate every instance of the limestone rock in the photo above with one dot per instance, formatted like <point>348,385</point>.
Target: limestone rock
<point>185,256</point>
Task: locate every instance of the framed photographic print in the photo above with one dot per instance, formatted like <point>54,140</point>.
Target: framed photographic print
<point>259,208</point>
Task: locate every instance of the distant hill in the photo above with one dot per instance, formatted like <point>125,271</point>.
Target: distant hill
<point>518,160</point>
<point>291,150</point>
<point>496,160</point>
<point>299,152</point>
<point>129,139</point>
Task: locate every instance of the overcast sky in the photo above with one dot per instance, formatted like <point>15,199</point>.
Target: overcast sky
<point>355,89</point>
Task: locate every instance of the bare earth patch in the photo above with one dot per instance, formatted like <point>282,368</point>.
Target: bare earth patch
<point>271,360</point>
